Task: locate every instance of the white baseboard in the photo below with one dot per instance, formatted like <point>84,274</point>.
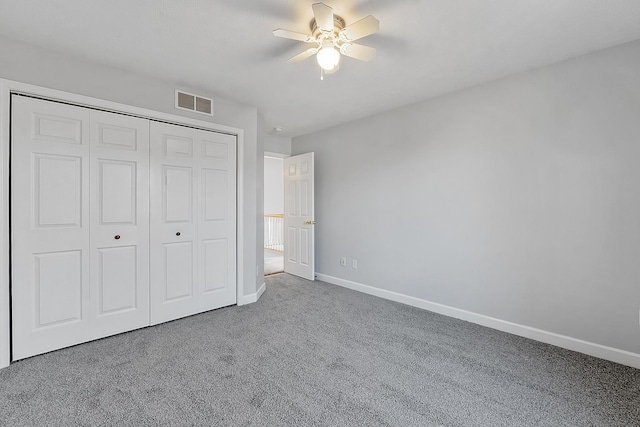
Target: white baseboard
<point>261,291</point>
<point>592,349</point>
<point>251,298</point>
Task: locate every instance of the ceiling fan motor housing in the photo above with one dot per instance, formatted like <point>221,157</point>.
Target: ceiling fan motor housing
<point>338,25</point>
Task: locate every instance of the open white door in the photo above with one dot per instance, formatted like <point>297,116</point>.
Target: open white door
<point>299,254</point>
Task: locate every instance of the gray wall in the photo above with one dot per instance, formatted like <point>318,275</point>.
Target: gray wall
<point>277,144</point>
<point>40,67</point>
<point>518,199</point>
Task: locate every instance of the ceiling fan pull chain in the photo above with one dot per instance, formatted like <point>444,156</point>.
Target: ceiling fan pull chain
<point>321,74</point>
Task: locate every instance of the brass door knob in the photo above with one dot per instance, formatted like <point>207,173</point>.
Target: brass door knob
<point>310,222</point>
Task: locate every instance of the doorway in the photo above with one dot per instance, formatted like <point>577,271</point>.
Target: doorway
<point>273,215</point>
<point>289,215</point>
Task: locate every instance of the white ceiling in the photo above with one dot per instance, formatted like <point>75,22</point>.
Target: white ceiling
<point>425,47</point>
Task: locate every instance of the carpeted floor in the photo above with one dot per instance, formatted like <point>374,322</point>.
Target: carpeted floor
<point>273,262</point>
<point>316,354</point>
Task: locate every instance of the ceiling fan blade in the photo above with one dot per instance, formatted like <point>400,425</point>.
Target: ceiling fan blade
<point>293,35</point>
<point>324,16</point>
<point>303,55</point>
<point>362,28</point>
<point>358,51</point>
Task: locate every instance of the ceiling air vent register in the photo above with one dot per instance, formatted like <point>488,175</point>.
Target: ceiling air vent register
<point>191,102</point>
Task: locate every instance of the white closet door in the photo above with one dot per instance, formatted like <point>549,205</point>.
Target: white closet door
<point>69,284</point>
<point>193,221</point>
<point>119,257</point>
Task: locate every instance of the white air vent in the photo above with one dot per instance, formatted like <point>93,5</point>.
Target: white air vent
<point>191,102</point>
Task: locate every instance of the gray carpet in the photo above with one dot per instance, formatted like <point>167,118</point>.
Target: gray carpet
<point>316,354</point>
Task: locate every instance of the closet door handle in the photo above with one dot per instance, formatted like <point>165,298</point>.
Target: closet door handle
<point>178,233</point>
<point>117,237</point>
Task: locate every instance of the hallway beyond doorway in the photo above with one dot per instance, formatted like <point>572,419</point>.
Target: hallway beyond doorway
<point>273,262</point>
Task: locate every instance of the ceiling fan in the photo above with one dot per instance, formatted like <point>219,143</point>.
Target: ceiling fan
<point>332,38</point>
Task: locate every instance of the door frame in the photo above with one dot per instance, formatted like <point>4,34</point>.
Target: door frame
<point>280,156</point>
<point>7,87</point>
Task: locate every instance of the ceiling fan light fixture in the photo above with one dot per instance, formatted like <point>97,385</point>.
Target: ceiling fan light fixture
<point>332,38</point>
<point>328,58</point>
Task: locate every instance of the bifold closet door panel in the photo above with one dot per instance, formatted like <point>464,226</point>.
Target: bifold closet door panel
<point>217,218</point>
<point>119,251</point>
<point>193,225</point>
<point>49,225</point>
<point>68,184</point>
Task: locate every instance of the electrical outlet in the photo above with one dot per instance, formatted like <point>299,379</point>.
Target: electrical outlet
<point>354,264</point>
<point>343,261</point>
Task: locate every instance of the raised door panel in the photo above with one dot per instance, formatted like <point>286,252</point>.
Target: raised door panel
<point>58,288</point>
<point>215,154</point>
<point>292,198</point>
<point>177,146</point>
<point>178,277</point>
<point>291,248</point>
<point>57,190</point>
<point>54,128</point>
<point>117,279</point>
<point>117,192</point>
<point>177,200</point>
<point>216,264</point>
<point>304,246</point>
<point>116,136</point>
<point>303,199</point>
<point>304,168</point>
<point>214,194</point>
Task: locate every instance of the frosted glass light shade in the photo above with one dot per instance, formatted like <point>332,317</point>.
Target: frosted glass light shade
<point>328,58</point>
